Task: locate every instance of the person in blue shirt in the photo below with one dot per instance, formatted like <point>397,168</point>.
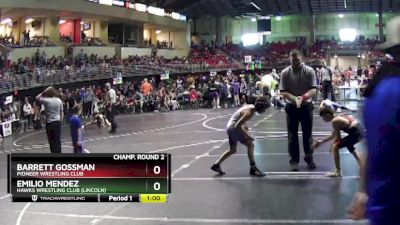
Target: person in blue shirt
<point>77,129</point>
<point>378,196</point>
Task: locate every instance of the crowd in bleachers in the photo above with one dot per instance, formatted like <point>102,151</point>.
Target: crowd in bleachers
<point>147,95</point>
<point>208,54</point>
<point>41,65</point>
<point>275,52</point>
<point>31,67</point>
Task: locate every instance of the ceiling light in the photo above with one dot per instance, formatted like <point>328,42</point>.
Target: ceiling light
<point>82,22</point>
<point>176,16</point>
<point>140,7</point>
<point>158,31</point>
<point>348,34</point>
<point>61,22</point>
<point>253,20</point>
<point>335,56</point>
<point>251,39</point>
<point>156,11</point>
<point>29,20</point>
<point>255,6</point>
<point>341,15</point>
<point>279,18</point>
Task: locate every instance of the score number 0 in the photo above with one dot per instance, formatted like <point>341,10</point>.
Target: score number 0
<point>157,185</point>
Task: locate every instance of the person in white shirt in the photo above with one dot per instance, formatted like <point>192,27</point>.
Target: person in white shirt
<point>274,74</point>
<point>267,82</point>
<point>27,114</point>
<point>111,99</point>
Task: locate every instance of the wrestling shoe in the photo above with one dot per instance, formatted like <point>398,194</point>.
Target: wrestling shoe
<point>217,168</point>
<point>294,166</point>
<point>334,173</point>
<point>254,171</point>
<point>311,164</point>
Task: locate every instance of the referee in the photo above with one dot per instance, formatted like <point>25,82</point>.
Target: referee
<point>53,108</point>
<point>111,99</point>
<point>298,86</point>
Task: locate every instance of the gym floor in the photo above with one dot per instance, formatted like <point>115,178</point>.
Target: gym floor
<point>196,138</point>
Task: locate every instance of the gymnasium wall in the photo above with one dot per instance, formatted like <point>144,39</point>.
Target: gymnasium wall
<point>290,27</point>
<point>18,53</point>
<point>99,51</point>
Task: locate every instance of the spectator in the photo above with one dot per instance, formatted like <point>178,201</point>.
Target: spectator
<point>146,88</point>
<point>24,38</point>
<point>83,35</point>
<point>76,128</point>
<point>28,36</point>
<point>27,113</point>
<point>326,78</point>
<point>139,100</point>
<point>88,102</point>
<point>111,100</point>
<point>236,91</point>
<point>378,195</point>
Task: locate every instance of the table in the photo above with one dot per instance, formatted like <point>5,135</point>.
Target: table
<point>351,94</point>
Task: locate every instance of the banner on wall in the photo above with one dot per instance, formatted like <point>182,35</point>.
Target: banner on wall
<point>118,79</point>
<point>6,128</point>
<point>9,100</point>
<point>165,76</point>
<point>247,59</point>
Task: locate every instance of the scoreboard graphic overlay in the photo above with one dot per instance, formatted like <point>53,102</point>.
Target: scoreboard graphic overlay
<point>119,177</point>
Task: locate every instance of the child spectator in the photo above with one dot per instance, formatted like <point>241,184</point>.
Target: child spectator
<point>77,129</point>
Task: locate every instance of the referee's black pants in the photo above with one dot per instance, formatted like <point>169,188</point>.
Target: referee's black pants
<point>304,116</point>
<point>110,115</point>
<point>53,131</point>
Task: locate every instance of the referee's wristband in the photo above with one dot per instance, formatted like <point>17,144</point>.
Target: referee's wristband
<point>305,97</point>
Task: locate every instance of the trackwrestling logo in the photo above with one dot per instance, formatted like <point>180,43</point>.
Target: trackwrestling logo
<point>34,198</point>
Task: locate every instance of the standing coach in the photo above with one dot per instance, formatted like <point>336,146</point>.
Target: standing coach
<point>53,109</point>
<point>298,86</point>
<point>326,77</point>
